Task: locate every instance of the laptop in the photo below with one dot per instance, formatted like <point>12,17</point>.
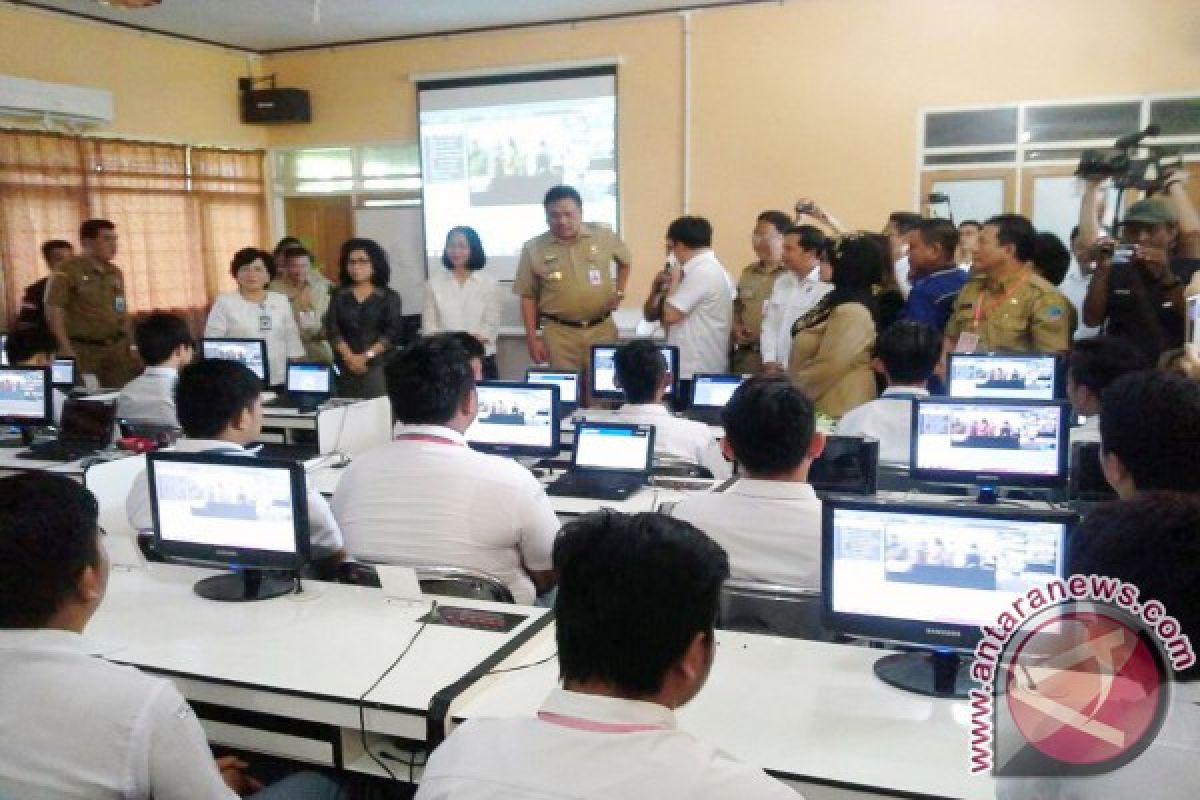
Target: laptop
<point>566,381</point>
<point>87,427</point>
<point>62,374</point>
<point>309,384</point>
<point>848,465</point>
<point>611,461</point>
<point>710,392</point>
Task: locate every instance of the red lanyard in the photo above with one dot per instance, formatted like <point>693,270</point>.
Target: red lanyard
<point>979,312</point>
<point>426,437</point>
<point>595,726</point>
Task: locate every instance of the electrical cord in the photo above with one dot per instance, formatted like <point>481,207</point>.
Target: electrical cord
<point>538,663</point>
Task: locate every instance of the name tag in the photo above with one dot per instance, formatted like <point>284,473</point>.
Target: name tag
<point>264,322</point>
<point>967,343</point>
<point>119,304</point>
<point>594,277</point>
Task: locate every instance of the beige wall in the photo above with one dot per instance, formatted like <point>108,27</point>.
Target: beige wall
<point>162,89</point>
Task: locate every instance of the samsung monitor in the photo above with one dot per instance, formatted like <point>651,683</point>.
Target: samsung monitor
<point>990,442</point>
<point>251,352</point>
<point>248,514</point>
<point>566,381</point>
<point>25,396</point>
<point>613,447</point>
<point>931,575</point>
<point>516,419</point>
<point>309,383</point>
<point>1012,376</point>
<point>713,390</point>
<point>3,349</point>
<point>847,465</point>
<point>602,378</point>
<point>62,372</point>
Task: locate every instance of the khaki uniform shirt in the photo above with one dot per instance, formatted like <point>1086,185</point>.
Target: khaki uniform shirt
<point>309,303</point>
<point>571,280</point>
<point>1022,313</point>
<point>753,291</point>
<point>91,293</point>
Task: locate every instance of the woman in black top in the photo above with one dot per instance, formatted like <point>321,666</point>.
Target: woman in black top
<point>364,319</point>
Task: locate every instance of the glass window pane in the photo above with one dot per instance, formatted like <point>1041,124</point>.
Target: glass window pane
<point>1053,154</point>
<point>390,160</point>
<point>973,198</point>
<point>320,187</point>
<point>1072,123</point>
<point>322,164</point>
<point>1177,117</point>
<point>971,128</point>
<point>1001,157</point>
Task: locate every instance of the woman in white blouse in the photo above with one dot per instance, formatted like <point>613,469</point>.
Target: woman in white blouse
<point>462,298</point>
<point>252,312</point>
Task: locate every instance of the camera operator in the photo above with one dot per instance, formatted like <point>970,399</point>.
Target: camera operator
<point>1142,300</point>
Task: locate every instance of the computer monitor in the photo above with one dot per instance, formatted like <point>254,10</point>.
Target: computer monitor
<point>1013,376</point>
<point>309,383</point>
<point>25,396</point>
<point>990,442</point>
<point>604,372</point>
<point>566,381</point>
<point>3,349</point>
<point>930,575</point>
<point>87,421</point>
<point>616,446</point>
<point>251,352</point>
<point>62,372</point>
<point>1193,320</point>
<point>246,513</point>
<point>713,390</point>
<point>516,419</point>
<point>847,465</point>
<point>1088,483</point>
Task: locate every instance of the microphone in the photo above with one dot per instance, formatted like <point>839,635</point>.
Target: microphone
<point>1131,140</point>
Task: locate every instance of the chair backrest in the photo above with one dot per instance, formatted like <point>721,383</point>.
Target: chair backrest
<point>443,581</point>
<point>776,609</point>
<point>110,482</point>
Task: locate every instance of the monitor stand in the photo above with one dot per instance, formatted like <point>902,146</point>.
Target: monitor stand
<point>243,586</point>
<point>938,673</point>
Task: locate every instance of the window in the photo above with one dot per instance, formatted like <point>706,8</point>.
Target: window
<point>375,175</point>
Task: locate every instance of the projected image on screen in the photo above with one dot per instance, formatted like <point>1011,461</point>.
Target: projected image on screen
<point>23,394</point>
<point>225,505</point>
<point>491,149</point>
<point>1016,377</point>
<point>990,439</point>
<point>249,353</point>
<point>513,416</point>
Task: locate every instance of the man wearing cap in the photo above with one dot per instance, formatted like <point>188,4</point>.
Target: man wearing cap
<point>565,281</point>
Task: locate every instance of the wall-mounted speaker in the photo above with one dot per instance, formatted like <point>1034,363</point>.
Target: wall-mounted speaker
<point>275,106</point>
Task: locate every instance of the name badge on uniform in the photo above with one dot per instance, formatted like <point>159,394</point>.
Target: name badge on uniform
<point>307,319</point>
<point>119,304</point>
<point>264,322</point>
<point>554,276</point>
<point>967,342</point>
<point>594,277</point>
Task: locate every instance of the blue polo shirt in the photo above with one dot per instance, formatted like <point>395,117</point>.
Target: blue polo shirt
<point>932,298</point>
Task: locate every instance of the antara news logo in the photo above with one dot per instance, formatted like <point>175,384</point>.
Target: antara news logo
<point>1074,679</point>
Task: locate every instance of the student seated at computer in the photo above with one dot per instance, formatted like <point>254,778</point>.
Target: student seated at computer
<point>1094,364</point>
<point>770,519</point>
<point>906,355</point>
<point>219,403</point>
<point>165,344</point>
<point>641,373</point>
<point>34,347</point>
<point>77,726</point>
<point>637,599</point>
<point>475,351</point>
<point>426,498</point>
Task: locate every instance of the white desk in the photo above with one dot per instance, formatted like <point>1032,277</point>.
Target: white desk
<point>10,464</point>
<point>811,714</point>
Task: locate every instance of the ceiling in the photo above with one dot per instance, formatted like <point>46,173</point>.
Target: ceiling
<point>271,25</point>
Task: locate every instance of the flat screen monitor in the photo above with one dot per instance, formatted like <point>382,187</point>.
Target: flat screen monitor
<point>3,349</point>
<point>246,513</point>
<point>1193,320</point>
<point>999,442</point>
<point>251,352</point>
<point>847,465</point>
<point>1012,376</point>
<point>1088,483</point>
<point>25,396</point>
<point>516,419</point>
<point>87,421</point>
<point>604,372</point>
<point>613,446</point>
<point>62,372</point>
<point>931,574</point>
<point>566,381</point>
<point>711,390</point>
<point>309,377</point>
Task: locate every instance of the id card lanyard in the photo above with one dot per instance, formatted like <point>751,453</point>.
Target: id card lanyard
<point>981,314</point>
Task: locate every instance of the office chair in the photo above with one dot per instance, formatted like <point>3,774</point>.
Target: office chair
<point>788,611</point>
<point>444,581</point>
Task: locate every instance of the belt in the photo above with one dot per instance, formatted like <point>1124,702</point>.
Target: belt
<point>98,342</point>
<point>578,323</point>
<point>750,347</point>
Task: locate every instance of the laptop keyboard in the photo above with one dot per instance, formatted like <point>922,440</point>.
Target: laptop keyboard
<point>598,487</point>
<point>59,451</point>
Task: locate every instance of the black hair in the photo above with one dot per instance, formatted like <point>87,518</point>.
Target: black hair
<point>477,257</point>
<point>634,590</point>
<point>159,335</point>
<point>1016,230</point>
<point>1098,361</point>
<point>1074,234</point>
<point>640,368</point>
<point>473,346</point>
<point>285,243</point>
<point>47,539</point>
<point>211,394</point>
<point>940,233</point>
<point>859,264</point>
<point>556,193</point>
<point>779,220</point>
<point>24,344</point>
<point>769,423</point>
<point>967,222</point>
<point>693,232</point>
<point>811,237</point>
<point>1148,541</point>
<point>381,271</point>
<point>295,251</point>
<point>904,221</point>
<point>428,381</point>
<point>50,245</point>
<point>91,228</point>
<point>1051,258</point>
<point>909,351</point>
<point>1151,421</point>
<point>247,256</point>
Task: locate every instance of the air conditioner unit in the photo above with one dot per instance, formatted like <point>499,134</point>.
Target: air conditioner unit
<point>21,97</point>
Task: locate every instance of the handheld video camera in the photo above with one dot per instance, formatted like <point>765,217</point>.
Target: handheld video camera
<point>1126,171</point>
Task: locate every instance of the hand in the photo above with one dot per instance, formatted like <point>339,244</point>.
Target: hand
<point>613,303</point>
<point>1102,252</point>
<point>231,769</point>
<point>661,281</point>
<point>808,207</point>
<point>1154,259</point>
<point>356,363</point>
<point>537,350</point>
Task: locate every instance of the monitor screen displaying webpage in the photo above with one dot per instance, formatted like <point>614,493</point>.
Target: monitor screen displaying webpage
<point>514,415</point>
<point>567,383</point>
<point>1029,377</point>
<point>24,395</point>
<point>604,370</point>
<point>63,372</point>
<point>1006,439</point>
<point>714,391</point>
<point>309,378</point>
<point>251,352</point>
<point>623,447</point>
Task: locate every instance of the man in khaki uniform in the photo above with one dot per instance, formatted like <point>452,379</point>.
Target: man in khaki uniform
<point>754,289</point>
<point>308,291</point>
<point>86,310</point>
<point>1006,306</point>
<point>564,280</point>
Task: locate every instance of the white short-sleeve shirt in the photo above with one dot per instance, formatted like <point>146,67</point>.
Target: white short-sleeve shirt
<point>888,419</point>
<point>234,317</point>
<point>150,397</point>
<point>792,298</point>
<point>426,499</point>
<point>1075,287</point>
<point>675,436</point>
<point>473,306</point>
<point>705,296</point>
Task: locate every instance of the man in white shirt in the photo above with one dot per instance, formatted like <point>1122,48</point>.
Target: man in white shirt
<point>897,228</point>
<point>75,726</point>
<point>220,410</point>
<point>1075,284</point>
<point>426,498</point>
<point>641,373</point>
<point>769,521</point>
<point>1093,365</point>
<point>796,291</point>
<point>610,732</point>
<point>694,300</point>
<point>906,353</point>
<point>165,344</point>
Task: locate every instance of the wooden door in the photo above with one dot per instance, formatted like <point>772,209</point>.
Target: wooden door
<point>322,223</point>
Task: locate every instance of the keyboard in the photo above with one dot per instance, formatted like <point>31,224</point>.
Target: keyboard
<point>595,487</point>
<point>59,451</point>
<point>287,452</point>
<point>709,415</point>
